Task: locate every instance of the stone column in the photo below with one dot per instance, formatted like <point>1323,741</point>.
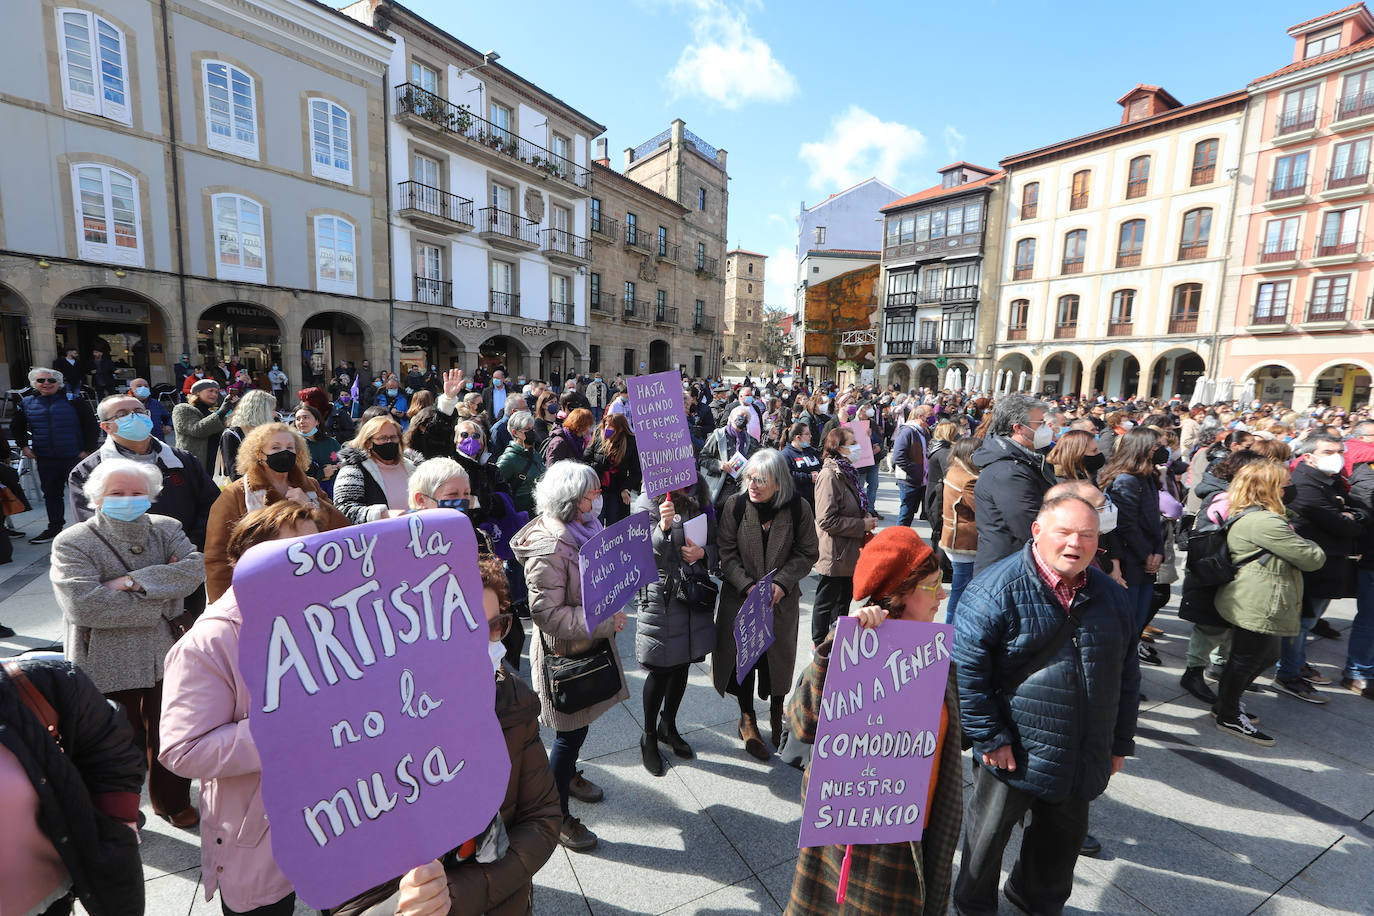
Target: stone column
<point>1304,393</point>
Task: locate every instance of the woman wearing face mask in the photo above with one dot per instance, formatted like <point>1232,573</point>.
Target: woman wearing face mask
<point>371,484</point>
<point>273,461</point>
<point>721,448</point>
<point>520,464</point>
<point>324,449</point>
<point>803,460</point>
<point>615,456</point>
<point>901,579</point>
<point>121,578</point>
<point>491,497</point>
<point>958,527</point>
<point>843,524</point>
<point>570,440</point>
<point>1077,456</point>
<point>205,734</point>
<point>1130,479</point>
<point>545,418</point>
<point>393,399</point>
<point>569,502</point>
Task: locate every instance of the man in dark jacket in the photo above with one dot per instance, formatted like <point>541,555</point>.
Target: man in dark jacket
<point>1013,478</point>
<point>909,456</point>
<point>73,369</point>
<point>1358,676</point>
<point>102,373</point>
<point>1045,740</point>
<point>494,396</point>
<point>64,432</point>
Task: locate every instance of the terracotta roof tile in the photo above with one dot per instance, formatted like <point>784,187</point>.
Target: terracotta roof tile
<point>940,191</point>
<point>1363,44</point>
<point>1344,9</point>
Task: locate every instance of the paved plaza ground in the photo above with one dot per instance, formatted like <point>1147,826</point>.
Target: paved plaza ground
<point>1197,823</point>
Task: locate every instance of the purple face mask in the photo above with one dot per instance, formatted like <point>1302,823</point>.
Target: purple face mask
<point>471,446</point>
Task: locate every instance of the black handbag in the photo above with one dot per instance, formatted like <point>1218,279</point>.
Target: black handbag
<point>580,682</point>
<point>699,591</point>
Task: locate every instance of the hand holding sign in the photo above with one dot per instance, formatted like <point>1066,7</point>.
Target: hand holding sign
<point>662,436</point>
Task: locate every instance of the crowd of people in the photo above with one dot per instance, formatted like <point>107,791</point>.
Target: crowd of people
<point>1059,526</point>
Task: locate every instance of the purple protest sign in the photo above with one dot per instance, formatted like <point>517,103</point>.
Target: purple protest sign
<point>615,563</point>
<point>662,436</point>
<point>754,627</point>
<point>373,701</point>
<point>876,737</point>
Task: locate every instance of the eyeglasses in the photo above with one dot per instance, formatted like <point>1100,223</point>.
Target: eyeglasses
<point>754,480</point>
<point>140,411</point>
<point>466,435</point>
<point>500,625</point>
<point>386,440</point>
<point>933,588</point>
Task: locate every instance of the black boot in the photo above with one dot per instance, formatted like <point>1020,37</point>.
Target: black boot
<point>1193,682</point>
<point>648,754</point>
<point>668,734</point>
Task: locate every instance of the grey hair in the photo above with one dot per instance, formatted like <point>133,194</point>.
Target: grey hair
<point>744,409</point>
<point>770,462</point>
<point>431,475</point>
<point>1362,428</point>
<point>255,408</point>
<point>520,421</point>
<point>33,374</point>
<point>1012,410</point>
<point>94,488</point>
<point>562,488</point>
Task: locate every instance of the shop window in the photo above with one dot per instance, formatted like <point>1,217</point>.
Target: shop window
<point>240,252</point>
<point>331,145</point>
<point>335,256</point>
<point>107,216</point>
<point>94,65</point>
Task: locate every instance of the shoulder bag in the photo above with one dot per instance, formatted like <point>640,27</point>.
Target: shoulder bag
<point>580,682</point>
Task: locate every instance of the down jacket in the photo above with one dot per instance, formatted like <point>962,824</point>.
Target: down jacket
<point>840,527</point>
<point>1066,721</point>
<point>1012,482</point>
<point>1138,530</point>
<point>358,490</point>
<point>1319,506</point>
<point>668,630</point>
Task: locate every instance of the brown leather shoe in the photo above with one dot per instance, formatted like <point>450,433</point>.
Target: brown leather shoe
<point>1360,685</point>
<point>1153,630</point>
<point>775,721</point>
<point>574,835</point>
<point>584,790</point>
<point>753,741</point>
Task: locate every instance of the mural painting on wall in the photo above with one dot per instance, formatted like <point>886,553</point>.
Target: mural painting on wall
<point>844,303</point>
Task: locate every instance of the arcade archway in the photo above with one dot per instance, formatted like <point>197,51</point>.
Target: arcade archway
<point>1175,372</point>
<point>1116,375</point>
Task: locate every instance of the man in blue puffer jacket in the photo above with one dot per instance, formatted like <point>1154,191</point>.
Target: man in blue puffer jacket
<point>63,432</point>
<point>1047,743</point>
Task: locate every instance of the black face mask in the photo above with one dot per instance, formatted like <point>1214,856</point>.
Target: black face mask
<point>387,451</point>
<point>462,505</point>
<point>1161,455</point>
<point>1094,463</point>
<point>281,462</point>
<point>1290,492</point>
<point>740,422</point>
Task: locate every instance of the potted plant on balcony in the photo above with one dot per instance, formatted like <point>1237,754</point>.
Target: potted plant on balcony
<point>459,119</point>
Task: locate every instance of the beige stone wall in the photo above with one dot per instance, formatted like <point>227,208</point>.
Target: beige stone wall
<point>743,306</point>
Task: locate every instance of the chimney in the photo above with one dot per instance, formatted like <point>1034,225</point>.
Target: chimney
<point>601,158</point>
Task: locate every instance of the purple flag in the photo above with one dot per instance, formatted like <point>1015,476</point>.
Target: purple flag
<point>879,722</point>
<point>754,627</point>
<point>659,421</point>
<point>615,563</point>
<point>373,700</point>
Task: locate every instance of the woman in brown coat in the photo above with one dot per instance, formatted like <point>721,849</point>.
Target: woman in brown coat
<point>843,523</point>
<point>266,475</point>
<point>959,536</point>
<point>765,528</point>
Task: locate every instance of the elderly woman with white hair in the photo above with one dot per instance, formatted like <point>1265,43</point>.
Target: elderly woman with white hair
<point>569,502</point>
<point>718,456</point>
<point>440,483</point>
<point>121,578</point>
<point>766,528</point>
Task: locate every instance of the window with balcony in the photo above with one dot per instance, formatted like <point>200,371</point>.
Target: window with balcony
<point>1357,95</point>
<point>595,218</point>
<point>961,282</point>
<point>331,142</point>
<point>1123,313</point>
<point>1025,260</point>
<point>1298,111</point>
<point>957,331</point>
<point>701,255</point>
<point>661,305</point>
<point>231,109</point>
<point>1349,165</point>
<point>561,147</point>
<point>1183,311</point>
<point>901,288</point>
<point>663,241</point>
<point>698,314</point>
<point>1066,316</point>
<point>1290,176</point>
<point>1340,233</point>
<point>1280,240</point>
<point>1078,193</point>
<point>240,252</point>
<point>430,287</point>
<point>932,284</point>
<point>1204,162</point>
<point>95,63</point>
<point>1271,302</point>
<point>561,299</point>
<point>1075,247</point>
<point>1197,232</point>
<point>107,215</point>
<point>1319,43</point>
<point>1130,243</point>
<point>594,291</point>
<point>1330,298</point>
<point>501,118</point>
<point>336,261</point>
<point>899,334</point>
<point>1030,200</point>
<point>424,76</point>
<point>1018,319</point>
<point>504,298</point>
<point>1138,177</point>
<point>631,228</point>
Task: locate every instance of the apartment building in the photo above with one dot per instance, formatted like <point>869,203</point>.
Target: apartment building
<point>1114,248</point>
<point>1300,295</point>
<point>228,199</point>
<point>490,177</point>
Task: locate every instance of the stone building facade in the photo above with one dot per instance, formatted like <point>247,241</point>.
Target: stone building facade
<point>227,200</point>
<point>743,337</point>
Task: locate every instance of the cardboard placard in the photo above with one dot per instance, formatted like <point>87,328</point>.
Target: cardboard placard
<point>754,627</point>
<point>615,563</point>
<point>662,436</point>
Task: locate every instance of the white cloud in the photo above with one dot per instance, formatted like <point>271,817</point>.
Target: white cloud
<point>780,279</point>
<point>861,145</point>
<point>954,141</point>
<point>727,63</point>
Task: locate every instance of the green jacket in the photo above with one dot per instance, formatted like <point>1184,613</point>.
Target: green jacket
<point>1266,594</point>
<point>515,461</point>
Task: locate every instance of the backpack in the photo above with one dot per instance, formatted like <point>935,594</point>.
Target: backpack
<point>1210,564</point>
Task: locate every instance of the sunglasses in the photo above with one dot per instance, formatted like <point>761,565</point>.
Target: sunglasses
<point>468,436</point>
<point>45,381</point>
<point>500,625</point>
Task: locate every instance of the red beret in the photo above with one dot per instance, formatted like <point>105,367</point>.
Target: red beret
<point>886,560</point>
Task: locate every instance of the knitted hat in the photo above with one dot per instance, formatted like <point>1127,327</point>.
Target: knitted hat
<point>886,560</point>
<point>203,384</point>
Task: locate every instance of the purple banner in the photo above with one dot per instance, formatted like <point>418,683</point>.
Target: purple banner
<point>879,722</point>
<point>615,564</point>
<point>659,421</point>
<point>373,700</point>
<point>754,627</point>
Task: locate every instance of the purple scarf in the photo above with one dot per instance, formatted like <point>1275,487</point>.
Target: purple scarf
<point>852,475</point>
<point>739,438</point>
<point>581,531</point>
<point>579,445</point>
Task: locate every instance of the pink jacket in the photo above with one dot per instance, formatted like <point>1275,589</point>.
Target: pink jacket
<point>205,735</point>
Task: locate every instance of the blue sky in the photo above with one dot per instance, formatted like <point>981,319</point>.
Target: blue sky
<point>810,97</point>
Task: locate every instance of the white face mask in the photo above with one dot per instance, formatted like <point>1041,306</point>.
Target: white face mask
<point>593,515</point>
<point>855,451</point>
<point>1044,436</point>
<point>1331,464</point>
<point>1106,519</point>
<point>496,651</point>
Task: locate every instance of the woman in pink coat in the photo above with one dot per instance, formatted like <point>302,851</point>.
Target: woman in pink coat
<point>205,736</point>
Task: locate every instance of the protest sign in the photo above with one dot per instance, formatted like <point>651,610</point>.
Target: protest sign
<point>860,430</point>
<point>373,700</point>
<point>754,627</point>
<point>615,563</point>
<point>877,732</point>
<point>662,436</point>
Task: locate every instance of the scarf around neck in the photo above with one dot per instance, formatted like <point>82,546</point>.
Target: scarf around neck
<point>851,474</point>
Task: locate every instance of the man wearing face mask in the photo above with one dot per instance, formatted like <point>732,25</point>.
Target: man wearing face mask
<point>494,397</point>
<point>162,420</point>
<point>1319,500</point>
<point>278,380</point>
<point>1013,478</point>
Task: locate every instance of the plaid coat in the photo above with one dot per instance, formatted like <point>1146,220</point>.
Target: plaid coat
<point>894,877</point>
